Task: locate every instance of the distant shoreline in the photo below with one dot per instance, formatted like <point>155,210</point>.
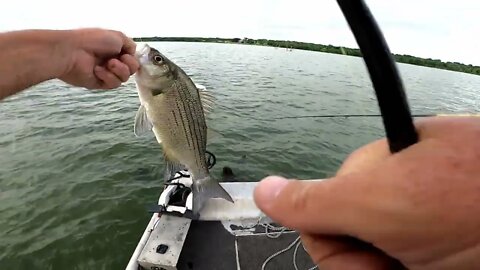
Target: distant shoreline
<point>406,59</point>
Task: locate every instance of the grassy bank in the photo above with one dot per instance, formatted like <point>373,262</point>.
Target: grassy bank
<point>407,59</point>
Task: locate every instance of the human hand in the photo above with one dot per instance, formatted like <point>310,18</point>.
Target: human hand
<point>98,59</point>
<point>419,208</point>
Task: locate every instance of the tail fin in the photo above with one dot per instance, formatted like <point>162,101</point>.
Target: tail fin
<point>206,189</point>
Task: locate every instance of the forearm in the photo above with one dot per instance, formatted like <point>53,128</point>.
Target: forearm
<point>30,57</point>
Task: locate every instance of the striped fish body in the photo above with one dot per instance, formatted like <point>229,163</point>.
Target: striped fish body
<point>178,121</point>
<point>172,107</point>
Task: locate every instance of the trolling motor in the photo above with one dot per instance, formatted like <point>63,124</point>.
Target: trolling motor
<point>177,196</point>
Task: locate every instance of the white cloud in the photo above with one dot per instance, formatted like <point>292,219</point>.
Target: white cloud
<point>428,28</point>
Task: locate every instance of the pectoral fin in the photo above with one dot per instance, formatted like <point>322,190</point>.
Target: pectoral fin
<point>208,100</point>
<point>142,123</point>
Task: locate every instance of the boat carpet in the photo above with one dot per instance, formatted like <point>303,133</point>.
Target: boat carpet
<point>209,246</point>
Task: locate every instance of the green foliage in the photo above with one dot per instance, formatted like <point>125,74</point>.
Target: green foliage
<point>407,59</point>
<point>435,63</point>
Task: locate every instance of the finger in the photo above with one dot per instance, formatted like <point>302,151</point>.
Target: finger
<point>104,43</point>
<point>366,157</point>
<point>337,252</point>
<point>131,62</point>
<point>129,46</point>
<point>119,69</point>
<point>108,79</point>
<point>342,205</point>
<point>108,42</point>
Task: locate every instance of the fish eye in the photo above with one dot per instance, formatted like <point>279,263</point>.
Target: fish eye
<point>158,58</point>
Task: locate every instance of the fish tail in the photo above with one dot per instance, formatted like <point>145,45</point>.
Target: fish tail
<point>206,189</point>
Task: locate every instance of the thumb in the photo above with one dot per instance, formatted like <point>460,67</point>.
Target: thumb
<point>330,206</point>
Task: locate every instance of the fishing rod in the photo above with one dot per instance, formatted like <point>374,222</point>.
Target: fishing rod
<point>391,98</point>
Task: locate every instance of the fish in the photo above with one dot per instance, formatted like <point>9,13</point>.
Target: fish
<point>174,108</point>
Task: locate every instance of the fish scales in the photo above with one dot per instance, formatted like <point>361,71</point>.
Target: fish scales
<point>172,106</point>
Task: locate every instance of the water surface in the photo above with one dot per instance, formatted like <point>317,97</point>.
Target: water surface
<point>75,181</point>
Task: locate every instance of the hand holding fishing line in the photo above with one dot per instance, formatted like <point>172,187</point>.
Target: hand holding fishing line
<point>419,206</point>
<point>91,58</point>
<point>100,59</point>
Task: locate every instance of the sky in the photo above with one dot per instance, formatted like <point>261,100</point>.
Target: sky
<point>439,29</point>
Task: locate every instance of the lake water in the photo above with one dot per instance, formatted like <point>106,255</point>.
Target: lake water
<point>75,181</point>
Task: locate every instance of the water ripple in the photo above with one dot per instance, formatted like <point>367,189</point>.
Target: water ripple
<point>74,180</point>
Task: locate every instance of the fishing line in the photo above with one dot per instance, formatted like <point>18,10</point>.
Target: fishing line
<point>345,116</point>
<point>341,116</point>
<point>397,119</point>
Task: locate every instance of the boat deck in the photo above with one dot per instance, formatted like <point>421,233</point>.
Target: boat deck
<point>210,246</point>
<point>228,236</point>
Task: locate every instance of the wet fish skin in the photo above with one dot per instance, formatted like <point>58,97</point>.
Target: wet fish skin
<point>171,106</point>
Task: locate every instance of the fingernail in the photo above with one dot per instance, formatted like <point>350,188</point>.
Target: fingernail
<point>268,189</point>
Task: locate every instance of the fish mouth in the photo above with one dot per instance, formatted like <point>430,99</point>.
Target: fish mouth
<point>142,54</point>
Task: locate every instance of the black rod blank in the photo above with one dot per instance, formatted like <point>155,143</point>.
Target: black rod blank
<point>397,119</point>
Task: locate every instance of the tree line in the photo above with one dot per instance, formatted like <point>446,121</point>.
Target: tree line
<point>407,59</point>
